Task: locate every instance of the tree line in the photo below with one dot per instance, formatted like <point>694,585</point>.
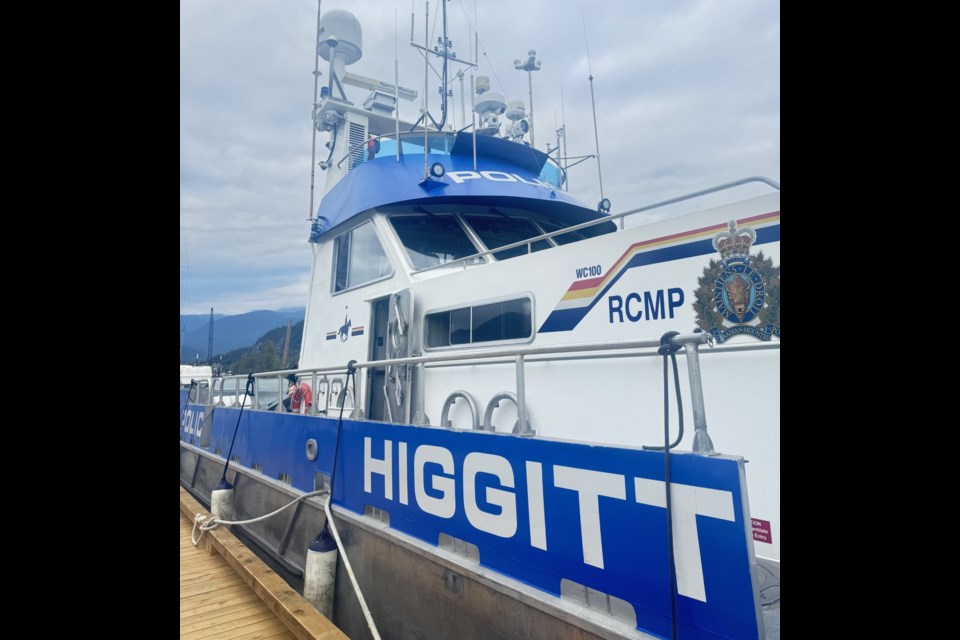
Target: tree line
<point>264,354</point>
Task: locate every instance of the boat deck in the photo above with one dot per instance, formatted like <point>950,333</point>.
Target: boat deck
<point>227,592</point>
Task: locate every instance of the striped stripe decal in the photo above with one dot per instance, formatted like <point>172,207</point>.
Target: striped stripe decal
<point>584,294</point>
<point>355,331</point>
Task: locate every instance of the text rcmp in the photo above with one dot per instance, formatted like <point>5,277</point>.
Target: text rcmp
<point>649,305</point>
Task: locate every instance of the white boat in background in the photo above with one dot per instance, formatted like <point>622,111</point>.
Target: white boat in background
<point>199,374</point>
<point>488,359</point>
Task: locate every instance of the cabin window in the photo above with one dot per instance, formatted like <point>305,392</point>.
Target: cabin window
<point>500,231</point>
<point>358,258</point>
<point>504,321</point>
<point>432,240</point>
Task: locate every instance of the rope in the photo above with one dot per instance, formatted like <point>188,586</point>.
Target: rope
<point>193,383</point>
<point>249,392</point>
<point>206,523</point>
<point>351,373</point>
<point>668,349</point>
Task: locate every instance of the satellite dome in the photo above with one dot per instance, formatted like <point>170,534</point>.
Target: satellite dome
<point>342,29</point>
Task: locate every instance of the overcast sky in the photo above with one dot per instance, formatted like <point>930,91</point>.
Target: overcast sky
<point>687,92</point>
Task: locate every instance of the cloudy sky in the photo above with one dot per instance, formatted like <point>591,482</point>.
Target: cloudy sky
<point>687,91</point>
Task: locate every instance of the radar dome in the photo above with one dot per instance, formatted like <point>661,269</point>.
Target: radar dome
<point>340,31</point>
<point>490,102</point>
<point>515,110</point>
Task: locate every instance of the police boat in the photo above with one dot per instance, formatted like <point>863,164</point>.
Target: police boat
<point>494,441</point>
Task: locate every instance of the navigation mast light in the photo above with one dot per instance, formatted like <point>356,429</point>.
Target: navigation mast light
<point>530,65</point>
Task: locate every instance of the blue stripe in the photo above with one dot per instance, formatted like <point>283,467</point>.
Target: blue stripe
<point>634,538</point>
<point>568,319</point>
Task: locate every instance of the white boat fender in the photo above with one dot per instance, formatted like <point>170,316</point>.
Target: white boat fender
<point>320,574</point>
<point>221,501</point>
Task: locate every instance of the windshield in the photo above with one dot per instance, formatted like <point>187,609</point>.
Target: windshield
<point>432,240</point>
<point>438,144</point>
<point>499,231</point>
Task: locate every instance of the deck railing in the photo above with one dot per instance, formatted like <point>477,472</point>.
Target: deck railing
<point>327,383</point>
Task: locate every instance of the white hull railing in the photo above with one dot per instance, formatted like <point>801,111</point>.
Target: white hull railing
<point>328,382</point>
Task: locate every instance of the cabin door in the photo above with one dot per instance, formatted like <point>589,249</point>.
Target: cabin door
<point>376,397</point>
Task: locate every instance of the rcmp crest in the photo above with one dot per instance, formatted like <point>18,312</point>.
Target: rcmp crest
<point>740,293</point>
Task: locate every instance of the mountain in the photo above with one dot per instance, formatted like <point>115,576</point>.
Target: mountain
<point>265,354</point>
<point>197,320</point>
<point>232,332</point>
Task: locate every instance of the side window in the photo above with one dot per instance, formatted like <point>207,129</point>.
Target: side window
<point>506,321</point>
<point>358,258</point>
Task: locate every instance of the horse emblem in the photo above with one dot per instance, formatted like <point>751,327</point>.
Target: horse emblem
<point>740,293</point>
<point>344,331</point>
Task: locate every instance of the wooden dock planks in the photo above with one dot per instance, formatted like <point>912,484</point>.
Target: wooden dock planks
<point>226,592</point>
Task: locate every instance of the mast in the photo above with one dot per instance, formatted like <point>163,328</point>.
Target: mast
<point>286,345</point>
<point>210,340</point>
<point>313,143</point>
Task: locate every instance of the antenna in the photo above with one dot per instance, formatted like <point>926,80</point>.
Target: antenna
<point>443,49</point>
<point>593,103</point>
<point>396,77</point>
<point>313,142</point>
<point>563,127</point>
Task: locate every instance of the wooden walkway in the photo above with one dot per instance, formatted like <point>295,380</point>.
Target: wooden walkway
<point>226,592</point>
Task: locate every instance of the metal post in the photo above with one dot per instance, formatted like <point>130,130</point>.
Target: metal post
<point>701,439</point>
<point>396,78</point>
<point>419,417</point>
<point>563,165</point>
<point>530,65</point>
<point>463,103</point>
<point>279,407</point>
<point>407,382</point>
<point>473,90</point>
<point>521,398</point>
<point>596,139</point>
<point>313,124</point>
<point>533,141</point>
<point>426,82</point>
<point>473,120</point>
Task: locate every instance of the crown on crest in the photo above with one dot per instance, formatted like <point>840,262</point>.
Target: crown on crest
<point>734,242</point>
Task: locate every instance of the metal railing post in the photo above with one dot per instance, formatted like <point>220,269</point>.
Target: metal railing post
<point>701,439</point>
<point>279,407</point>
<point>419,417</point>
<point>521,397</point>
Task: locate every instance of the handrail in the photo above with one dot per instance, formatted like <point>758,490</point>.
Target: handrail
<point>591,223</point>
<point>691,342</point>
<point>681,340</point>
<point>418,135</point>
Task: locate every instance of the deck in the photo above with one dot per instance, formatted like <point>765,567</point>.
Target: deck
<point>227,592</point>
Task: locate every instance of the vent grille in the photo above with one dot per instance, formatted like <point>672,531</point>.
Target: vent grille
<point>356,134</point>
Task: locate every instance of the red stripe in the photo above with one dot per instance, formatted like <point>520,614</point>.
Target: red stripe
<point>594,282</point>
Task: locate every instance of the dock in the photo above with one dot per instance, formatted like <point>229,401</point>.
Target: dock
<point>227,592</point>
